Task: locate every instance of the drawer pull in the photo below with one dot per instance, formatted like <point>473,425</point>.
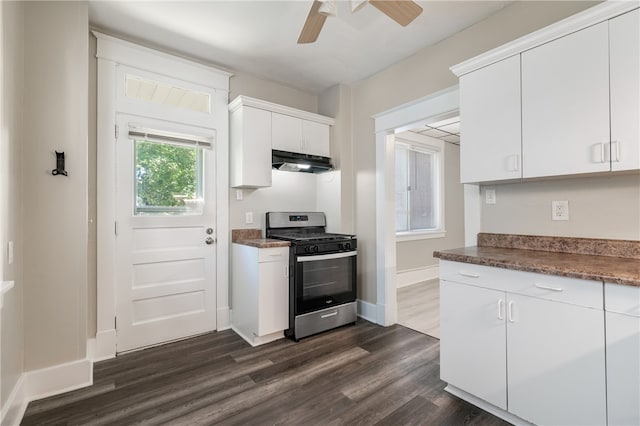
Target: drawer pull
<point>468,274</point>
<point>332,314</point>
<point>275,254</point>
<point>544,287</point>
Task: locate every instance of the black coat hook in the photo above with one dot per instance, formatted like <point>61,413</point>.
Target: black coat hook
<point>59,170</point>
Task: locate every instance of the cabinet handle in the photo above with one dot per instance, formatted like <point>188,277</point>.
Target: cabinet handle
<point>468,274</point>
<point>510,312</point>
<point>545,287</point>
<point>598,153</point>
<point>615,151</point>
<point>286,271</point>
<point>515,163</point>
<point>332,314</point>
<point>500,309</point>
<point>275,254</point>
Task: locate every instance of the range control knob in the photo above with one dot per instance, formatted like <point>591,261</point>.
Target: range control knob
<point>307,249</point>
<point>340,246</point>
<point>314,249</point>
<point>348,246</point>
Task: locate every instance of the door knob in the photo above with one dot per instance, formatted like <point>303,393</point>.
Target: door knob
<point>209,231</point>
<point>209,240</point>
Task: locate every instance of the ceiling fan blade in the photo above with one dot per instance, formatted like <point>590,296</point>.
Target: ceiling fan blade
<point>313,24</point>
<point>401,11</point>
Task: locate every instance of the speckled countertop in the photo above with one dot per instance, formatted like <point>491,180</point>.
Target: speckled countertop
<point>613,261</point>
<point>253,238</point>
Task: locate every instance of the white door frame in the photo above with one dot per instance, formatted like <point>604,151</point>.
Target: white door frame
<point>112,53</point>
<point>387,124</point>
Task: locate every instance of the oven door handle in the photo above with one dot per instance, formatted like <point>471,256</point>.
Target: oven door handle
<point>326,256</point>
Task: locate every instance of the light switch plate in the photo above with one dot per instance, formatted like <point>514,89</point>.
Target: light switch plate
<point>490,196</point>
<point>239,195</point>
<point>248,218</point>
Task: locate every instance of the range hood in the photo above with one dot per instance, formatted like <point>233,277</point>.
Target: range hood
<point>297,162</point>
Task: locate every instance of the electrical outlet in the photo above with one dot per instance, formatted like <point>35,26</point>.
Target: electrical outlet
<point>248,218</point>
<point>239,195</point>
<point>559,210</point>
<point>490,196</point>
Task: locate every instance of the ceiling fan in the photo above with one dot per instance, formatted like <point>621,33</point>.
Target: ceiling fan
<point>401,11</point>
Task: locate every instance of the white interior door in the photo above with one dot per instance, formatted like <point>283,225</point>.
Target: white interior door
<point>165,231</point>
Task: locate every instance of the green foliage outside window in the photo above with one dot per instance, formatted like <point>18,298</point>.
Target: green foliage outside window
<point>165,174</point>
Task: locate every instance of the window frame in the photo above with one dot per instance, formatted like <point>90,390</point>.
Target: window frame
<point>435,147</point>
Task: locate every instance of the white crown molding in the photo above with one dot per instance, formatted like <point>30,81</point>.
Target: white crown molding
<point>577,22</point>
<point>280,109</point>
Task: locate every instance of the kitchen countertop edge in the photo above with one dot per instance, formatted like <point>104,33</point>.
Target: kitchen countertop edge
<point>262,242</point>
<point>474,255</point>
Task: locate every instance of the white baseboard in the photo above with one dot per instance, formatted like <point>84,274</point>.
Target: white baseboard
<point>223,318</point>
<point>105,345</point>
<point>368,311</point>
<point>490,408</point>
<point>38,384</point>
<point>414,276</point>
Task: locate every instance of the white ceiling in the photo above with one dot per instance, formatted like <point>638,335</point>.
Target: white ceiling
<point>259,37</point>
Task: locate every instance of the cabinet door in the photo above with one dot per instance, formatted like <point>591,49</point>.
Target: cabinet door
<point>623,369</point>
<point>251,148</point>
<point>490,147</point>
<point>273,301</point>
<point>286,133</point>
<point>556,362</point>
<point>565,105</point>
<point>315,138</point>
<point>624,42</point>
<point>472,345</point>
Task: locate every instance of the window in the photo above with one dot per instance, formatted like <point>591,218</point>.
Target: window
<point>168,173</point>
<point>419,169</point>
<point>165,94</point>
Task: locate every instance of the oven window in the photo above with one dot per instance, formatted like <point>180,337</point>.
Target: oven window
<point>325,282</point>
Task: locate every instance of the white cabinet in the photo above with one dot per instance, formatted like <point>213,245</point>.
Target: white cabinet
<point>532,345</point>
<point>472,352</point>
<point>624,55</point>
<point>259,292</point>
<point>250,147</point>
<point>298,135</point>
<point>623,354</point>
<point>490,148</point>
<point>565,105</point>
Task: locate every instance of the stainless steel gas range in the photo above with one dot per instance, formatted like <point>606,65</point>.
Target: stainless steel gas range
<point>322,272</point>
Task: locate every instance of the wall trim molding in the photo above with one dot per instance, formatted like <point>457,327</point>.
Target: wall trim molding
<point>414,276</point>
<point>104,345</point>
<point>223,321</point>
<point>280,109</point>
<point>367,311</point>
<point>43,383</point>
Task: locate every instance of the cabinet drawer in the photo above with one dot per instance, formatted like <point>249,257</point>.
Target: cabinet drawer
<point>274,254</point>
<point>549,287</point>
<point>622,299</point>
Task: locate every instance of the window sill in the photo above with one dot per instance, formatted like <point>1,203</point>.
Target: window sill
<point>419,235</point>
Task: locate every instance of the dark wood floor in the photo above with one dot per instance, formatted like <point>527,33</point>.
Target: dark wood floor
<point>355,375</point>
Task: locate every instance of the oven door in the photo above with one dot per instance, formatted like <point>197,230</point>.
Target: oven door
<point>324,280</point>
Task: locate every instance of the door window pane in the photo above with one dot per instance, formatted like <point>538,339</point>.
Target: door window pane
<point>168,179</point>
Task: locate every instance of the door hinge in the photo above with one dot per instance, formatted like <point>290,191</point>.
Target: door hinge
<point>117,131</point>
<point>115,228</point>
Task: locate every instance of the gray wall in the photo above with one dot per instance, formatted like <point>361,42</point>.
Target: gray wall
<point>55,207</point>
<point>419,253</point>
<point>11,145</point>
<point>603,206</point>
<point>424,73</point>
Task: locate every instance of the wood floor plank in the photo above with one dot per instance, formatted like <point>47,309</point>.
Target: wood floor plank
<point>355,375</point>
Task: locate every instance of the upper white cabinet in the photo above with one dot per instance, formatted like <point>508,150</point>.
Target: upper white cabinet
<point>571,102</point>
<point>257,127</point>
<point>565,105</point>
<point>297,135</point>
<point>624,56</point>
<point>490,123</point>
<point>250,149</point>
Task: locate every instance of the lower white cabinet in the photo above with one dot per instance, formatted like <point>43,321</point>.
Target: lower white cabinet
<point>259,292</point>
<point>530,344</point>
<point>622,305</point>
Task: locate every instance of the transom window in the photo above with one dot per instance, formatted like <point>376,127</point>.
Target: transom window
<point>144,89</point>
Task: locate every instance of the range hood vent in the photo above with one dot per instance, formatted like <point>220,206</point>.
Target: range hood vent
<point>297,162</point>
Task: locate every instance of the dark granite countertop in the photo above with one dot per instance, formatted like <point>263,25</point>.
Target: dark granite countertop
<point>253,238</point>
<point>557,256</point>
